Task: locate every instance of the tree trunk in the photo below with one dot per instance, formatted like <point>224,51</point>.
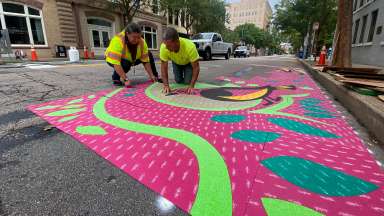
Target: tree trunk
<point>342,52</point>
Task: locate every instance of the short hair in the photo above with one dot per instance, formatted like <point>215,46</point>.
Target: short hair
<point>171,34</point>
<point>133,28</point>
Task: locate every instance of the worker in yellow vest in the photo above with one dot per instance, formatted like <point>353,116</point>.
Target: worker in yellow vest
<point>185,60</point>
<point>128,49</point>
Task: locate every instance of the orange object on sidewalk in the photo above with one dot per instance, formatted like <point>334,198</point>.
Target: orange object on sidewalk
<point>323,57</point>
<point>33,54</point>
<point>92,53</point>
<point>86,56</point>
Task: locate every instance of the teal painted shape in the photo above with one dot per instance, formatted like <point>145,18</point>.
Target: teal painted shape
<point>301,128</point>
<point>129,95</point>
<point>310,101</point>
<point>255,136</point>
<point>317,178</point>
<point>315,109</point>
<point>228,118</point>
<point>320,115</point>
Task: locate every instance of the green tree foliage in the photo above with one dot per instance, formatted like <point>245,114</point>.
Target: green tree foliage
<point>250,34</point>
<point>129,8</point>
<point>230,36</point>
<point>202,16</point>
<point>295,17</point>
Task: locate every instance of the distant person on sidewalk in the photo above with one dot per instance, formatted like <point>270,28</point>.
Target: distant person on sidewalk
<point>185,60</point>
<point>128,49</point>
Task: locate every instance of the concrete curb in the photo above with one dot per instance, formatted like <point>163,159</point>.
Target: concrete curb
<point>368,110</point>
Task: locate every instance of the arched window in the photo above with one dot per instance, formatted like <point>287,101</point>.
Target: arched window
<point>150,36</point>
<point>24,23</point>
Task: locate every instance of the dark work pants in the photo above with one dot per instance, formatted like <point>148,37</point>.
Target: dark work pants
<point>126,65</point>
<point>183,73</point>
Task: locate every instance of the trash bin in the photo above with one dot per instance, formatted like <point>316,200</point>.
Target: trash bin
<point>301,54</point>
<point>61,51</point>
<point>74,55</point>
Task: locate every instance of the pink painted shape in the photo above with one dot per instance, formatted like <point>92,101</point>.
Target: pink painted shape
<point>171,169</point>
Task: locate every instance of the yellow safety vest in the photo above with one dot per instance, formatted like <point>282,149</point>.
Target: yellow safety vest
<point>118,50</point>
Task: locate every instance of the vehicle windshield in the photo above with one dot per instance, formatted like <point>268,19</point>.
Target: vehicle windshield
<point>241,48</point>
<point>202,36</point>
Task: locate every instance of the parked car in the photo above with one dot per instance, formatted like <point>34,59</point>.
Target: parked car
<point>241,51</point>
<point>211,44</point>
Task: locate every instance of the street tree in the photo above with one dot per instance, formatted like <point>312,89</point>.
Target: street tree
<point>202,16</point>
<point>343,36</point>
<point>230,36</point>
<point>295,19</point>
<point>129,8</point>
<point>251,34</point>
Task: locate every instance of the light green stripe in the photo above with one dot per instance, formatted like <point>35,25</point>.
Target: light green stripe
<point>48,107</point>
<point>69,118</point>
<point>65,112</point>
<point>214,194</point>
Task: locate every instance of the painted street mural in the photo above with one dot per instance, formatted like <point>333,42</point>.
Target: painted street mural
<point>270,145</point>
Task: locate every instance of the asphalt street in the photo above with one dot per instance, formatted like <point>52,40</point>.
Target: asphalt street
<point>46,172</point>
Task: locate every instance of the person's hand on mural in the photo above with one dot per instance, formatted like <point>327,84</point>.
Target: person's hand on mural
<point>190,90</point>
<point>166,89</point>
<point>153,79</point>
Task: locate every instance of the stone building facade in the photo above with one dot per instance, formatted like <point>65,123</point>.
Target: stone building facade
<point>367,32</point>
<point>78,23</point>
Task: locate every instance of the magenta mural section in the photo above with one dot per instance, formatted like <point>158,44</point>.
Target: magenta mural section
<point>270,145</point>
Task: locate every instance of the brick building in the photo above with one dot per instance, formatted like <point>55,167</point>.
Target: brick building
<point>258,12</point>
<point>79,23</point>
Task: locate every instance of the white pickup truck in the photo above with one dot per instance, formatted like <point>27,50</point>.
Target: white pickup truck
<point>211,44</point>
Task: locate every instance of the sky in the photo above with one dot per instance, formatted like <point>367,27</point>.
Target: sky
<point>272,2</point>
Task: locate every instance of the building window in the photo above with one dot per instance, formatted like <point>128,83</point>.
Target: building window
<point>363,27</point>
<point>150,36</point>
<point>177,18</point>
<point>99,22</point>
<point>361,3</point>
<point>357,23</point>
<point>170,17</point>
<point>24,24</point>
<point>373,25</point>
<point>155,6</point>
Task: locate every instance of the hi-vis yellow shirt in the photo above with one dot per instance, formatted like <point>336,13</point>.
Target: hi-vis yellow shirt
<point>186,54</point>
<point>118,50</point>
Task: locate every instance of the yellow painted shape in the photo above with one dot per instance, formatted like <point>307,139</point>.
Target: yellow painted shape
<point>249,96</point>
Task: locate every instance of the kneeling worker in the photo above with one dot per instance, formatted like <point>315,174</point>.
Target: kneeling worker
<point>185,60</point>
<point>128,49</point>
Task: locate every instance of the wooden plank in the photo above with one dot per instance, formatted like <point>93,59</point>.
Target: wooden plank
<point>365,76</point>
<point>381,97</point>
<point>352,70</point>
<point>363,82</point>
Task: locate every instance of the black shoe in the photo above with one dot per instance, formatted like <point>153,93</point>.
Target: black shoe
<point>159,80</point>
<point>117,83</point>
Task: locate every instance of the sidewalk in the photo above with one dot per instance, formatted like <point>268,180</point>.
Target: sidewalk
<point>52,62</point>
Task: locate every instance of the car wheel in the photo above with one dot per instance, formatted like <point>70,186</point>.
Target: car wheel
<point>228,55</point>
<point>207,54</point>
